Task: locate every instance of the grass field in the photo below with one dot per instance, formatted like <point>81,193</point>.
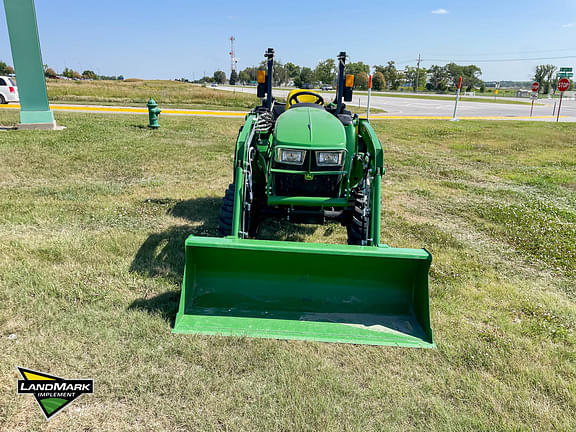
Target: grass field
<point>167,93</point>
<point>92,225</point>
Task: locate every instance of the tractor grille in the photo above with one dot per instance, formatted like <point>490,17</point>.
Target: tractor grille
<point>297,185</point>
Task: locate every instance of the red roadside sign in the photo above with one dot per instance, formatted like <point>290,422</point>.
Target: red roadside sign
<point>370,81</point>
<point>563,84</point>
<point>535,86</point>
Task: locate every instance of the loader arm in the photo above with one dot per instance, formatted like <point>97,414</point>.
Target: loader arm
<point>374,148</point>
<point>243,142</point>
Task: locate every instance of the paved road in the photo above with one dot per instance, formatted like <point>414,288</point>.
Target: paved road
<point>396,108</point>
<point>399,107</point>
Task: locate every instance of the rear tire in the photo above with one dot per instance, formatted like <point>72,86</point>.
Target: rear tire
<point>2,100</point>
<point>227,212</point>
<point>359,223</point>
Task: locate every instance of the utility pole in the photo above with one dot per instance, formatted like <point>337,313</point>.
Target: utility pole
<point>233,59</point>
<point>417,73</point>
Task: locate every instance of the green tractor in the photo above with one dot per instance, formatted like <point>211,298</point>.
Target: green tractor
<point>307,161</point>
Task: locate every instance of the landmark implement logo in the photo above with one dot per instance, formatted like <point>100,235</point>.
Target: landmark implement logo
<point>51,392</point>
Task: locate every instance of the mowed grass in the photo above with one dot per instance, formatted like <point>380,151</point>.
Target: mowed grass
<point>138,92</point>
<point>92,225</point>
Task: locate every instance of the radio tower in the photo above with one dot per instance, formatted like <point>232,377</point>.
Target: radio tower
<point>233,59</point>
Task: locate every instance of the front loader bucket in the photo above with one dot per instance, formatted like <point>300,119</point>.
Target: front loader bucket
<point>309,291</point>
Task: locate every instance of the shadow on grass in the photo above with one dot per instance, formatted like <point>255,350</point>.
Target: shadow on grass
<point>162,255</point>
<point>165,304</point>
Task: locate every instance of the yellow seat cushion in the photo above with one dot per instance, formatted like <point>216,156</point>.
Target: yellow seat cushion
<point>302,99</point>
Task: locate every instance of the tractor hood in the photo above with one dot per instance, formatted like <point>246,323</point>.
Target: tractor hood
<point>306,127</point>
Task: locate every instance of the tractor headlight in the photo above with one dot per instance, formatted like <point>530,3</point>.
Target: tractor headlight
<point>329,158</point>
<point>290,156</point>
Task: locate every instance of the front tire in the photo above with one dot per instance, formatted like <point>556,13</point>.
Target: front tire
<point>359,224</point>
<point>227,212</point>
<point>227,215</point>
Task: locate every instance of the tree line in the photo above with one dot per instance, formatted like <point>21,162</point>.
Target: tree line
<point>385,77</point>
<point>67,73</point>
<point>436,78</point>
<point>72,74</point>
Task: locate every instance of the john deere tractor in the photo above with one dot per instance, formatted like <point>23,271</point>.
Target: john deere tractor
<point>307,160</point>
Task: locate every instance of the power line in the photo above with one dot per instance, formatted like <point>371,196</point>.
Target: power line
<point>512,52</point>
<point>402,62</point>
<point>503,60</point>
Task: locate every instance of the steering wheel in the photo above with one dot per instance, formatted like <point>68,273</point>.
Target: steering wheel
<point>294,98</point>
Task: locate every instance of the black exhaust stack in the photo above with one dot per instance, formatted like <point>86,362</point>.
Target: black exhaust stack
<point>340,89</point>
<point>270,56</point>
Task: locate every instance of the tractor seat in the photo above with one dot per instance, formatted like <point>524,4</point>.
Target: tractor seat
<point>304,98</point>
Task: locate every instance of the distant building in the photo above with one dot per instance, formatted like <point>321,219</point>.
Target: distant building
<point>523,93</point>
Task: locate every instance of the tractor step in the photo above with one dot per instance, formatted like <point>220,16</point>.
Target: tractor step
<point>307,291</point>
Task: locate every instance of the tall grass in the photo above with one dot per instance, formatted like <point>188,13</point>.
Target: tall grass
<point>138,92</point>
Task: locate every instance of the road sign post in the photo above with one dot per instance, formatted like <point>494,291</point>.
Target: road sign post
<point>563,85</point>
<point>35,112</point>
<point>535,88</point>
<point>454,118</point>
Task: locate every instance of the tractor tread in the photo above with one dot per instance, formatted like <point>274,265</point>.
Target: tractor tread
<point>358,224</point>
<point>226,212</point>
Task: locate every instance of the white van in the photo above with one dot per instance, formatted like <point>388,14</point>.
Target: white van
<point>8,90</point>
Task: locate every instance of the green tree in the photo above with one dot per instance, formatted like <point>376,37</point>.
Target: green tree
<point>357,68</point>
<point>3,68</point>
<point>545,77</point>
<point>88,74</point>
<point>249,74</point>
<point>233,77</point>
<point>293,70</point>
<point>326,71</point>
<point>410,74</point>
<point>306,77</point>
<point>69,73</point>
<point>378,81</point>
<point>360,71</point>
<point>470,75</point>
<point>391,74</point>
<point>280,75</point>
<point>50,73</point>
<point>439,78</point>
<point>244,77</point>
<point>9,70</point>
<point>220,77</point>
<point>361,81</point>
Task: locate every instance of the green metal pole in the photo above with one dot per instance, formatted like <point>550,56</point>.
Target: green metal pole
<point>35,112</point>
<point>238,201</point>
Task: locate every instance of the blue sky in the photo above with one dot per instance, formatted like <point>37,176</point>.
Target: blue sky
<point>177,38</point>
